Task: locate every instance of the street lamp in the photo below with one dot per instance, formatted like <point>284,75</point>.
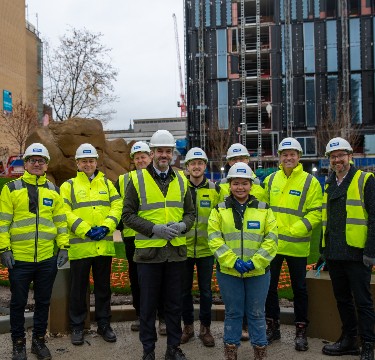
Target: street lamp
<point>269,110</point>
<point>314,170</point>
<point>222,172</point>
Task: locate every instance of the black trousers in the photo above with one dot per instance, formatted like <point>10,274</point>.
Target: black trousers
<point>163,279</point>
<point>80,277</point>
<point>351,287</point>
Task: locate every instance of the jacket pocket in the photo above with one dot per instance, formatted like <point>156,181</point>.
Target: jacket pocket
<point>182,250</point>
<point>145,254</point>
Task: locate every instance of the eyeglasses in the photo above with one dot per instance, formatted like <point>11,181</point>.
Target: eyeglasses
<point>39,161</point>
<point>338,157</point>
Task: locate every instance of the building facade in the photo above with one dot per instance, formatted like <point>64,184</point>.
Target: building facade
<point>268,69</point>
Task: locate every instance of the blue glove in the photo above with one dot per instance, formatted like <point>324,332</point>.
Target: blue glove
<point>251,265</point>
<point>101,233</point>
<point>7,259</point>
<point>92,232</point>
<point>62,257</point>
<point>241,266</point>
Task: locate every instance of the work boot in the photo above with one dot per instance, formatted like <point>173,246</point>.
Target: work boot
<point>162,330</point>
<point>76,337</point>
<point>135,325</point>
<point>346,345</point>
<point>367,351</point>
<point>107,333</point>
<point>19,349</point>
<point>174,353</point>
<point>206,337</point>
<point>149,356</point>
<point>39,348</point>
<point>230,351</point>
<point>187,333</point>
<point>245,333</point>
<point>273,330</point>
<point>260,352</point>
<point>300,340</point>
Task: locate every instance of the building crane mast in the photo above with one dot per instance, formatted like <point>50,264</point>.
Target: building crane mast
<point>182,103</point>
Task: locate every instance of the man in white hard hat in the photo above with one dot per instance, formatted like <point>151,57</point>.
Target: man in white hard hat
<point>159,207</point>
<point>32,223</point>
<point>296,200</point>
<point>93,208</point>
<point>140,153</point>
<point>348,246</point>
<point>205,195</point>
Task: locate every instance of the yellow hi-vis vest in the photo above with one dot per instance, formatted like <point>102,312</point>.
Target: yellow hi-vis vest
<point>153,206</point>
<point>356,222</point>
<point>123,182</point>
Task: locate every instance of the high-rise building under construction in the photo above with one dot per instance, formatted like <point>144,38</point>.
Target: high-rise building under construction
<point>268,69</point>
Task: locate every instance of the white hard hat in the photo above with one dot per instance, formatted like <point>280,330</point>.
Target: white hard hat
<point>241,170</point>
<point>36,149</point>
<point>237,150</point>
<point>162,138</point>
<point>139,146</point>
<point>195,153</point>
<point>338,143</point>
<point>290,144</point>
<point>86,151</point>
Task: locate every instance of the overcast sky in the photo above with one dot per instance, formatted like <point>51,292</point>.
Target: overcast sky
<point>141,35</point>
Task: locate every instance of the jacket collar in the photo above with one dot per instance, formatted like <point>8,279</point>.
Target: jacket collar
<point>33,179</point>
<point>203,184</point>
<point>296,171</point>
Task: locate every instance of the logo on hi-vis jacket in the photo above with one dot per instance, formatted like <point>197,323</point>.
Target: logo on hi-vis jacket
<point>47,202</point>
<point>253,224</point>
<point>295,192</point>
<point>205,203</point>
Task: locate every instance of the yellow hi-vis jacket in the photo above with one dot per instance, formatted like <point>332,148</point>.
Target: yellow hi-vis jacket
<point>356,222</point>
<point>32,219</point>
<point>153,206</point>
<point>254,239</point>
<point>296,202</point>
<point>89,204</point>
<point>256,190</point>
<point>207,196</point>
<point>123,181</point>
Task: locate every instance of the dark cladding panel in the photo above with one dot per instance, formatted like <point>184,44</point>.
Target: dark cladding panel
<point>320,47</point>
<point>275,52</point>
<point>320,96</point>
<point>299,101</point>
<point>367,43</point>
<point>276,104</point>
<point>297,46</point>
<point>234,64</point>
<point>368,98</point>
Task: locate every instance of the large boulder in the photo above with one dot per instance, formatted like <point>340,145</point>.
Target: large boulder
<point>62,140</point>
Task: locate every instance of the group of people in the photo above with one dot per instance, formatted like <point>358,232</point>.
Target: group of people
<point>174,221</point>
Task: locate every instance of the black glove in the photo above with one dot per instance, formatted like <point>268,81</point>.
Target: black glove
<point>101,233</point>
<point>7,259</point>
<point>165,232</point>
<point>62,257</point>
<point>320,262</point>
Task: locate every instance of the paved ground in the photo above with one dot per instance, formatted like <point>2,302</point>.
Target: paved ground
<point>128,347</point>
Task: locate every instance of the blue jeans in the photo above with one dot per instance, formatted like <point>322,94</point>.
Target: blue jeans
<point>244,296</point>
<point>297,271</point>
<point>204,274</point>
<point>42,274</point>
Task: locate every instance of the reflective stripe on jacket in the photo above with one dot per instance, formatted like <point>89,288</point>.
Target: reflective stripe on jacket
<point>254,239</point>
<point>153,206</point>
<point>296,202</point>
<point>32,219</point>
<point>207,196</point>
<point>89,204</point>
<point>123,182</point>
<point>356,222</point>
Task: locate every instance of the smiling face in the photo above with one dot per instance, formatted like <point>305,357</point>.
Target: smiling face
<point>196,168</point>
<point>87,165</point>
<point>141,160</point>
<point>162,157</point>
<point>36,165</point>
<point>236,159</point>
<point>289,159</point>
<point>240,188</point>
<point>340,161</point>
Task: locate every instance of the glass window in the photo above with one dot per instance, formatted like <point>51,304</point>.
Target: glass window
<point>218,13</point>
<point>331,46</point>
<point>221,38</point>
<point>332,85</point>
<point>294,9</point>
<point>310,101</point>
<point>222,97</point>
<point>308,145</point>
<point>355,44</point>
<point>208,13</point>
<point>197,13</point>
<point>316,8</point>
<point>309,53</point>
<point>282,14</point>
<point>356,98</point>
<point>305,8</point>
<point>229,12</point>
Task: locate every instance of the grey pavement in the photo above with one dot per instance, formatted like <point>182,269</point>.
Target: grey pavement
<point>129,347</point>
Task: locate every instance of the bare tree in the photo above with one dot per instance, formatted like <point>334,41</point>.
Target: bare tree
<point>20,122</point>
<point>80,76</point>
<point>334,124</point>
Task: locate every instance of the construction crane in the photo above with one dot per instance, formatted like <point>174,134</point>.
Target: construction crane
<point>182,102</point>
